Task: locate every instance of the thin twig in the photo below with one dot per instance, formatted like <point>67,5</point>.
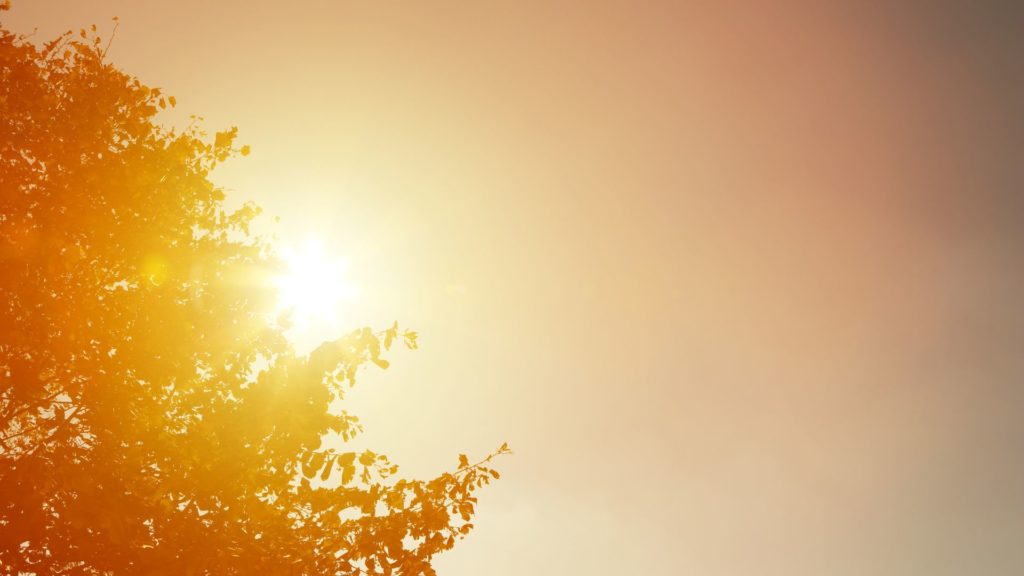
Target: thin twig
<point>113,33</point>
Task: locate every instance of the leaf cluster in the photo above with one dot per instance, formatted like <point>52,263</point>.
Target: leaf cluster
<point>153,418</point>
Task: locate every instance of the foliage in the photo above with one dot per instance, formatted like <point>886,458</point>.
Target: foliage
<point>153,418</point>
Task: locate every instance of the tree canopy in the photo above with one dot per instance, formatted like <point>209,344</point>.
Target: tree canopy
<point>153,417</point>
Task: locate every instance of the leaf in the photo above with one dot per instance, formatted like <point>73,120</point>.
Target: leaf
<point>245,150</point>
<point>463,461</point>
<point>410,339</point>
<point>327,470</point>
<point>313,465</point>
<point>346,462</point>
<point>367,458</point>
<point>389,335</point>
<point>226,138</point>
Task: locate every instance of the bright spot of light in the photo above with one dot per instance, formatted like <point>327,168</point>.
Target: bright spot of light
<point>313,287</point>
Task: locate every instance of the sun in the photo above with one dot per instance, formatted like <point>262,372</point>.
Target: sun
<point>313,286</point>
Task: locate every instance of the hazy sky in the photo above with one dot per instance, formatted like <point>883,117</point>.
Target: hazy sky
<point>741,285</point>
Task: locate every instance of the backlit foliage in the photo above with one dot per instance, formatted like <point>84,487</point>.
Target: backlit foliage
<point>153,419</point>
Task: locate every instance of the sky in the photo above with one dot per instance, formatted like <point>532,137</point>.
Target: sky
<point>738,282</point>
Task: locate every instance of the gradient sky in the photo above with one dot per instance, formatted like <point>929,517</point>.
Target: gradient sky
<point>740,285</point>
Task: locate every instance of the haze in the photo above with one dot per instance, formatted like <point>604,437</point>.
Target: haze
<point>739,284</point>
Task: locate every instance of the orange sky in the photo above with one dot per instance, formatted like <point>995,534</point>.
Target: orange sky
<point>740,285</point>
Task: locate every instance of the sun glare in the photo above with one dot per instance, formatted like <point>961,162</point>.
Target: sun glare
<point>313,287</point>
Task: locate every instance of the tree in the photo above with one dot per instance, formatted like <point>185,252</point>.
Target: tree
<point>153,418</point>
